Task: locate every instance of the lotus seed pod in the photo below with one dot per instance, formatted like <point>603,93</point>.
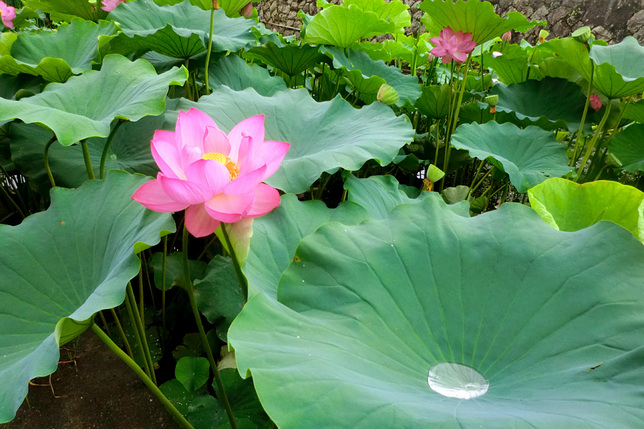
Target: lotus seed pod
<point>492,100</point>
<point>582,35</point>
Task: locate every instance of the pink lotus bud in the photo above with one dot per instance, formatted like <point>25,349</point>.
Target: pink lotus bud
<point>595,102</point>
<point>506,36</point>
<point>247,11</point>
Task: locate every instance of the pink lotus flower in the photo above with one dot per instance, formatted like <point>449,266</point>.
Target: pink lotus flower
<point>451,45</point>
<point>216,177</point>
<point>109,5</point>
<point>7,13</point>
<point>595,102</point>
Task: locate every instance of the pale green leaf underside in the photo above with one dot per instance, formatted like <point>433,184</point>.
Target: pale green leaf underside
<point>568,206</point>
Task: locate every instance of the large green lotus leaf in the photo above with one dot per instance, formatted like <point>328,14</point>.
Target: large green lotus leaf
<point>233,72</point>
<point>85,105</point>
<point>434,101</point>
<point>549,103</point>
<point>56,55</point>
<point>179,31</point>
<point>292,59</point>
<point>367,75</point>
<point>474,17</point>
<point>569,206</point>
<point>70,261</point>
<point>341,26</point>
<point>628,147</point>
<point>323,136</point>
<point>64,9</point>
<point>606,78</point>
<point>529,155</point>
<point>551,319</point>
<point>129,151</point>
<point>276,235</point>
<point>395,12</point>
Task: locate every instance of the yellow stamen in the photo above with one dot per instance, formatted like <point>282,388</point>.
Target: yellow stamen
<point>228,163</point>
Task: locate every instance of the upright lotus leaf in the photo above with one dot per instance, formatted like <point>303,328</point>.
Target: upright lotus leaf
<point>68,262</point>
<point>569,206</point>
<point>549,320</point>
<point>379,195</point>
<point>129,151</point>
<point>64,9</point>
<point>236,74</point>
<point>625,58</point>
<point>178,31</point>
<point>85,105</point>
<point>292,59</point>
<point>277,234</point>
<point>232,7</point>
<point>56,55</point>
<point>434,101</point>
<point>607,79</point>
<point>628,147</point>
<point>635,111</point>
<point>529,155</point>
<point>342,26</point>
<point>174,271</point>
<point>395,11</point>
<point>512,65</point>
<point>323,136</point>
<point>549,103</point>
<point>367,75</point>
<point>219,295</point>
<point>476,17</point>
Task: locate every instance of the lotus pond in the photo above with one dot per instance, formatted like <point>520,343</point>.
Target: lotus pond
<point>353,228</point>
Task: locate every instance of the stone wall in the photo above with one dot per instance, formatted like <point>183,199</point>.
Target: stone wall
<point>610,19</point>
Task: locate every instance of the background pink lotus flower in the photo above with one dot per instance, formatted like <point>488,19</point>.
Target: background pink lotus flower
<point>451,45</point>
<point>216,177</point>
<point>7,13</point>
<point>109,5</point>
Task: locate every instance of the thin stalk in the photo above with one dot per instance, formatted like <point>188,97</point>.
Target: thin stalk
<point>119,328</point>
<point>202,333</point>
<point>212,20</point>
<point>183,423</point>
<point>129,305</point>
<point>106,148</point>
<point>240,276</point>
<point>480,181</point>
<point>88,161</point>
<point>163,277</point>
<point>46,160</point>
<point>573,160</point>
<point>141,329</point>
<point>107,328</point>
<point>591,145</point>
<point>141,301</point>
<point>474,178</point>
<point>438,126</point>
<point>12,202</point>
